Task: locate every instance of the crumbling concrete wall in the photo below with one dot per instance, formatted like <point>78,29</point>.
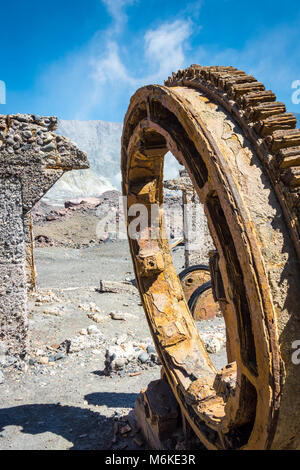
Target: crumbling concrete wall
<point>32,159</point>
<point>13,321</point>
<point>197,239</point>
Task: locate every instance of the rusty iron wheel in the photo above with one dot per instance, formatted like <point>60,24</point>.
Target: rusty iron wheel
<point>193,277</point>
<point>241,151</point>
<point>197,289</point>
<point>202,304</point>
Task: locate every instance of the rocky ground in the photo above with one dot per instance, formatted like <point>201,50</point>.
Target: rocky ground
<point>90,348</point>
<point>91,221</point>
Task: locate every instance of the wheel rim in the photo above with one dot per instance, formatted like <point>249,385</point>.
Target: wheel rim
<point>238,406</point>
<point>193,277</point>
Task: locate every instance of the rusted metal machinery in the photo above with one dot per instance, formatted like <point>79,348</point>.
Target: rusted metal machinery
<point>242,152</point>
<point>193,277</point>
<point>197,289</point>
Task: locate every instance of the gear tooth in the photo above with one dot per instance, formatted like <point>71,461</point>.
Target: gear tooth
<point>283,139</point>
<point>236,90</point>
<point>274,123</point>
<point>291,177</point>
<point>288,157</point>
<point>255,98</point>
<point>264,110</point>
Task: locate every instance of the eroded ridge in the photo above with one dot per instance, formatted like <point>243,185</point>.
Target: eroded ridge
<point>32,159</point>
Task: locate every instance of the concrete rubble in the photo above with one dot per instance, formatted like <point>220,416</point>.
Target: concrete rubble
<point>129,357</point>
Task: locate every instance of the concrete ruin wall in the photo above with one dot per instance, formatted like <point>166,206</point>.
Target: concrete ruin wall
<point>197,239</point>
<point>32,159</point>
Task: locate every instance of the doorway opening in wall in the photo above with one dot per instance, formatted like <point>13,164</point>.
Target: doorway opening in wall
<point>86,298</point>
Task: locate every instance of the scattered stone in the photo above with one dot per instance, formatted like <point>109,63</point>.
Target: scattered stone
<point>7,361</point>
<point>40,352</point>
<point>120,363</point>
<point>118,356</point>
<point>72,203</point>
<point>214,346</point>
<point>45,297</point>
<point>43,360</point>
<point>155,359</point>
<point>43,240</point>
<point>51,217</point>
<point>1,378</point>
<point>121,316</point>
<point>144,357</point>
<point>151,349</point>
<point>117,316</point>
<point>3,349</point>
<point>59,356</point>
<point>56,311</point>
<point>93,330</point>
<point>214,342</point>
<point>91,307</point>
<point>75,203</point>
<point>131,418</point>
<point>117,287</point>
<point>96,317</point>
<point>80,342</point>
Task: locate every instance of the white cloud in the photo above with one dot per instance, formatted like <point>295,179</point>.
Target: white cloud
<point>109,66</point>
<point>162,53</point>
<point>116,9</point>
<point>97,81</point>
<point>164,47</point>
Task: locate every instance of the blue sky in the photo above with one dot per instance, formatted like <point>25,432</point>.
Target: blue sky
<point>83,60</point>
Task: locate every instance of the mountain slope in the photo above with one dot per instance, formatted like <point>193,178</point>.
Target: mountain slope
<point>101,140</point>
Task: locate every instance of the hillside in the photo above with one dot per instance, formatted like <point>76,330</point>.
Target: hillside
<point>101,141</point>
